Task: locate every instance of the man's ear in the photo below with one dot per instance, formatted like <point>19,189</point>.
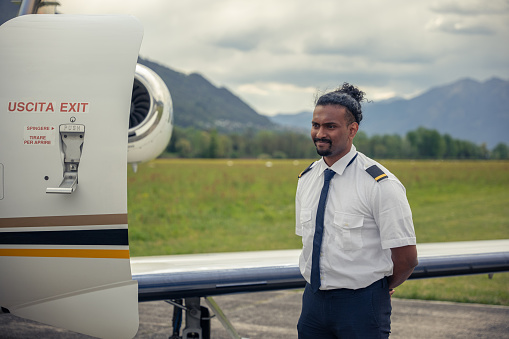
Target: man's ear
<point>353,128</point>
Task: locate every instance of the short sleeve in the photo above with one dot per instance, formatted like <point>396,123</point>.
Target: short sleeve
<point>392,214</point>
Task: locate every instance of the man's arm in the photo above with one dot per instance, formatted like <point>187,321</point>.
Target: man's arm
<point>404,259</point>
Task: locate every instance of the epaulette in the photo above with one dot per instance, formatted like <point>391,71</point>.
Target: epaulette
<point>376,173</point>
<point>306,170</point>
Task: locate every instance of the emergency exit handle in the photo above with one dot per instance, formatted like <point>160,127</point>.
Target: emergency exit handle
<point>67,186</point>
<point>71,145</point>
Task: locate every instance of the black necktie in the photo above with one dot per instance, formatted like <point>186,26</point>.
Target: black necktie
<point>317,239</point>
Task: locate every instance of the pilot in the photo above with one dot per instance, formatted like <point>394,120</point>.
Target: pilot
<point>356,227</point>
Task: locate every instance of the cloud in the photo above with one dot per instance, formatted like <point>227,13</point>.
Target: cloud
<point>471,7</point>
<point>453,26</point>
<point>389,50</point>
<point>469,17</point>
<point>242,41</point>
<point>271,53</point>
<point>271,95</point>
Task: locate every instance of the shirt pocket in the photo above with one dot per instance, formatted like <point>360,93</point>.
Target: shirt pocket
<point>348,229</point>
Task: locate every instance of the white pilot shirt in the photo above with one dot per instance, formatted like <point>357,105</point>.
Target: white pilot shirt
<point>363,220</point>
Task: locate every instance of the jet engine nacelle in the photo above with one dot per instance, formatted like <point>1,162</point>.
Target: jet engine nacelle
<point>151,117</point>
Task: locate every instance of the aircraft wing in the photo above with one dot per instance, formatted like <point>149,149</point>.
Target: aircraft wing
<point>199,275</point>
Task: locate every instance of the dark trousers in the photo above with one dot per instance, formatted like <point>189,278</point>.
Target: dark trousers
<point>344,313</point>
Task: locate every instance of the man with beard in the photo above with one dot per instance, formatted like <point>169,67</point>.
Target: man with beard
<point>356,227</point>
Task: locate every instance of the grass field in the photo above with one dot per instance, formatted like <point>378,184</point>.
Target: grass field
<point>197,206</point>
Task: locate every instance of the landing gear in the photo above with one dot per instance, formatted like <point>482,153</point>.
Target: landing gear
<point>197,319</point>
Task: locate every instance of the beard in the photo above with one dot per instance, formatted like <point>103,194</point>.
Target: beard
<point>323,152</point>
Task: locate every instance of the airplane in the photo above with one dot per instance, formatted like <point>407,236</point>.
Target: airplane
<point>64,253</point>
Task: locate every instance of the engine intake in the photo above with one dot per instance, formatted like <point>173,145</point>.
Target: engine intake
<point>151,116</point>
<point>140,104</point>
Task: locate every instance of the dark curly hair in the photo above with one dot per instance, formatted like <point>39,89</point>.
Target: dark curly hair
<point>347,96</point>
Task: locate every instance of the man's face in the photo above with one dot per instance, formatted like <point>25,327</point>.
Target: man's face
<point>331,132</point>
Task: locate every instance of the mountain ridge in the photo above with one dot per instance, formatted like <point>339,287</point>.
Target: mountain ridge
<point>198,103</point>
<point>466,109</point>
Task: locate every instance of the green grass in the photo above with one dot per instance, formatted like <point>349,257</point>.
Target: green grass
<point>181,206</point>
<point>470,289</point>
<point>456,200</point>
<point>198,206</point>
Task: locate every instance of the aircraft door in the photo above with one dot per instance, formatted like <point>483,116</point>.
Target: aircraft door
<point>66,83</point>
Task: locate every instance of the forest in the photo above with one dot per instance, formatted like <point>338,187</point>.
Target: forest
<point>421,143</point>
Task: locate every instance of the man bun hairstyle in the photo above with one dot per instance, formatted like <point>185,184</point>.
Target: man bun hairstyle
<point>347,96</point>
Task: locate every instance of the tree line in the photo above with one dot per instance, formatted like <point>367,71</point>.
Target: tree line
<point>421,143</point>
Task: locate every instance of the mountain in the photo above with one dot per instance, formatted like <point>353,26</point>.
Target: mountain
<point>466,109</point>
<point>198,103</point>
<point>299,121</point>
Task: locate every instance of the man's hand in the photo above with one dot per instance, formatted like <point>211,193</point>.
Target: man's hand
<point>404,259</point>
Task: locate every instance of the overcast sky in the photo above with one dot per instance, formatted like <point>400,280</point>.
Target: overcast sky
<point>277,54</point>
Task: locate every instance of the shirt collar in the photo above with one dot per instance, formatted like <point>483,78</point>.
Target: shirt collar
<point>340,165</point>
